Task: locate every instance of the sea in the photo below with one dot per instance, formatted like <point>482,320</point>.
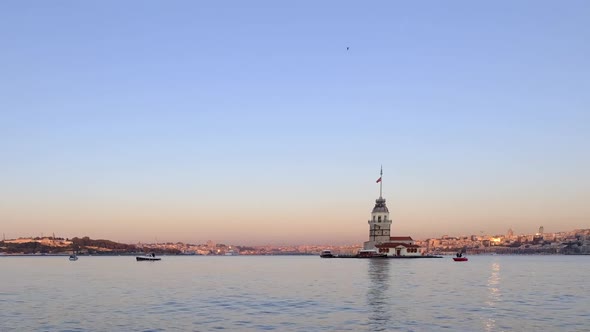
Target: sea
<point>294,293</point>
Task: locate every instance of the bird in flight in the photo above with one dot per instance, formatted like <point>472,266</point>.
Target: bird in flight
<point>347,48</point>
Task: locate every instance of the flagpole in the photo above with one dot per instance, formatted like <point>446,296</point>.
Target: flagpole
<point>381,183</point>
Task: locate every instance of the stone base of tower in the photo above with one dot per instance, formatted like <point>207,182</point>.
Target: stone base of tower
<point>369,245</point>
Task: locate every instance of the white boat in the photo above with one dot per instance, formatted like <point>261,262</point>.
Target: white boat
<point>73,257</point>
<point>231,252</point>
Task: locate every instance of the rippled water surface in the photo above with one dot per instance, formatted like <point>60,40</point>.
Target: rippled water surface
<point>245,293</point>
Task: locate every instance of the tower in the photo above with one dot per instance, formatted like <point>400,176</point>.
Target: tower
<point>379,224</point>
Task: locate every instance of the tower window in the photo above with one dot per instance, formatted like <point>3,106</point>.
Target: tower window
<point>379,219</point>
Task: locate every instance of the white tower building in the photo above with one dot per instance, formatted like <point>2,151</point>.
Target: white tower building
<point>379,224</point>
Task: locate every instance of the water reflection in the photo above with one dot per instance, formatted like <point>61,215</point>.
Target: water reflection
<point>494,295</point>
<point>380,307</point>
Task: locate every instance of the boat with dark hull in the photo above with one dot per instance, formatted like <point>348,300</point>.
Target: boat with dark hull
<point>327,254</point>
<point>149,257</point>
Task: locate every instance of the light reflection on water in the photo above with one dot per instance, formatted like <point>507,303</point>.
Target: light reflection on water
<point>494,296</point>
<point>488,293</point>
<point>378,301</point>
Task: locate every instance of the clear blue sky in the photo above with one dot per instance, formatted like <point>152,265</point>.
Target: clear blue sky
<point>250,122</point>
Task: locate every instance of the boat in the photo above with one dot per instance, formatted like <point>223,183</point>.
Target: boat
<point>460,257</point>
<point>73,257</point>
<point>149,257</point>
<point>231,252</point>
<point>327,254</point>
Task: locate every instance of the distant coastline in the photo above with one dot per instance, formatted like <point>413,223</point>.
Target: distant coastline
<point>575,242</point>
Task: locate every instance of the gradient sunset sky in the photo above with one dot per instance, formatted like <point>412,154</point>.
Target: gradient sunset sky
<point>249,122</point>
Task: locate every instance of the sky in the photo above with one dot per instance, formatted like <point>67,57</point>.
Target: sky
<point>267,122</point>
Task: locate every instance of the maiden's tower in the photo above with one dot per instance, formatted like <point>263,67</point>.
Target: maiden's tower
<point>380,238</point>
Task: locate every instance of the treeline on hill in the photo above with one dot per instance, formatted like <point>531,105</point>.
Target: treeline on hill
<point>107,246</point>
<point>84,245</point>
<point>80,243</point>
<point>28,248</point>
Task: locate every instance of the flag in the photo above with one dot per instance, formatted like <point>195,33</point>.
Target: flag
<point>379,180</point>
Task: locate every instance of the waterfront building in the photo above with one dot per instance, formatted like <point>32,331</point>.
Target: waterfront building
<point>380,238</point>
<point>400,246</point>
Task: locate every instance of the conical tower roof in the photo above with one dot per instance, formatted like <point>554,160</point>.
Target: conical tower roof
<point>380,205</point>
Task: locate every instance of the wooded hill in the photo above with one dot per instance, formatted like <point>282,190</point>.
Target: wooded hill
<point>84,245</point>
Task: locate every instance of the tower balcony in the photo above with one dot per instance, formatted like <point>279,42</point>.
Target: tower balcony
<point>386,221</point>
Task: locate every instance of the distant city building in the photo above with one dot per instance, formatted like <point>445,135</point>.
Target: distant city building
<point>541,230</point>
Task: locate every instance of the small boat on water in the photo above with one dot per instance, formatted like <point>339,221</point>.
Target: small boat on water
<point>460,257</point>
<point>327,254</point>
<point>149,257</point>
<point>73,257</point>
<point>231,252</point>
